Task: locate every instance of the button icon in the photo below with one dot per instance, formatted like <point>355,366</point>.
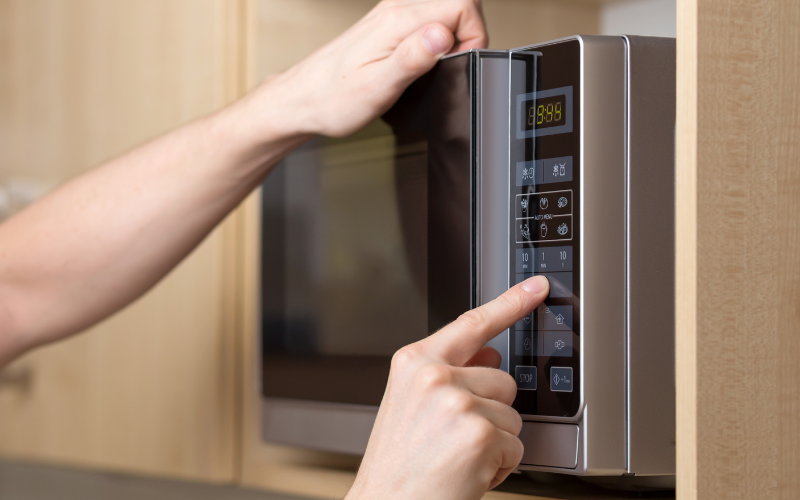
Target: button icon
<point>555,317</point>
<point>543,203</point>
<point>523,203</point>
<point>556,169</point>
<point>525,323</point>
<point>525,377</point>
<point>525,231</point>
<point>543,230</point>
<point>563,229</point>
<point>557,344</point>
<point>560,379</point>
<point>527,173</point>
<point>562,202</point>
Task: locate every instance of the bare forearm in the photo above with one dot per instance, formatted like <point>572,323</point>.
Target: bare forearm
<point>103,239</point>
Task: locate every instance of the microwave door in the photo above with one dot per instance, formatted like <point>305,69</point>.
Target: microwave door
<point>367,246</point>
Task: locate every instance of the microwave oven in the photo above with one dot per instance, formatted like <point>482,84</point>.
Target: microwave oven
<point>555,159</point>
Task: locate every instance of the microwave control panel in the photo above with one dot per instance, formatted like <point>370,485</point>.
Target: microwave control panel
<point>545,159</point>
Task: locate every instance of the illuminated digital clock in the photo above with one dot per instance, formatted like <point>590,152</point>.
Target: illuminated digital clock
<point>545,112</point>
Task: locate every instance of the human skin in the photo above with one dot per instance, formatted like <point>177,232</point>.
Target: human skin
<point>445,429</point>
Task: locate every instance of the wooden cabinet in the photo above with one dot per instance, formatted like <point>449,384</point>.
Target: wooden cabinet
<point>738,264</point>
<point>153,389</point>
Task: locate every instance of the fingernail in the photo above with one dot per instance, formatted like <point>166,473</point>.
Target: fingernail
<point>535,285</point>
<point>435,41</point>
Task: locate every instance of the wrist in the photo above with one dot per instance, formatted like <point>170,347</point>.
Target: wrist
<point>259,129</point>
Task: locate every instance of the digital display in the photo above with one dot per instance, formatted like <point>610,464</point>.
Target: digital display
<point>544,112</point>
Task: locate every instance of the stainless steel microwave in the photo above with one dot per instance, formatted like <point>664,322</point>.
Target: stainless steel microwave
<point>554,159</point>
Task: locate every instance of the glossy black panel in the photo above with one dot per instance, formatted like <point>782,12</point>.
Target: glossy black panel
<point>545,220</point>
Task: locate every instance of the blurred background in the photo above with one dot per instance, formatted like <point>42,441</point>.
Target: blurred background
<point>161,399</point>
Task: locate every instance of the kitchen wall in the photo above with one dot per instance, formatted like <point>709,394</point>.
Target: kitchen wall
<point>638,17</point>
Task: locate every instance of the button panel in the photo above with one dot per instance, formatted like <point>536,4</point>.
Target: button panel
<point>545,225</point>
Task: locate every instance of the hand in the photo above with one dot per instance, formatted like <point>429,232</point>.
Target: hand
<point>355,78</point>
<point>445,428</point>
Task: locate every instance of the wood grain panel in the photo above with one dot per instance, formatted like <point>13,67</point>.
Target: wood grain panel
<point>151,390</point>
<point>739,281</point>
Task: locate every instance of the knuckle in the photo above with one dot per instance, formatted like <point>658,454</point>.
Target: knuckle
<point>517,425</point>
<point>435,376</point>
<point>408,61</point>
<point>405,356</point>
<point>481,433</point>
<point>519,450</point>
<point>474,319</point>
<point>459,403</point>
<point>509,385</point>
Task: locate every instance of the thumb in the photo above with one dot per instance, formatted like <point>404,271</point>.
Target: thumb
<point>418,53</point>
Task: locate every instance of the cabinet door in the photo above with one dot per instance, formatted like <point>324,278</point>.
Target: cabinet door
<point>152,389</point>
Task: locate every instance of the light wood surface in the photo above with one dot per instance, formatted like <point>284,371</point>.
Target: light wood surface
<point>738,264</point>
<point>151,390</point>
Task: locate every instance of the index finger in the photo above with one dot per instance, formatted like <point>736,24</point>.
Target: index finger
<point>459,341</point>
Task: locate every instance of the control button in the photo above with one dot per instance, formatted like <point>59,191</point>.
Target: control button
<point>556,170</point>
<point>524,210</point>
<point>547,171</point>
<point>525,344</point>
<point>554,259</point>
<point>560,283</point>
<point>526,323</point>
<point>526,259</point>
<point>524,230</point>
<point>529,173</point>
<point>544,259</point>
<point>557,344</point>
<point>526,377</point>
<point>557,228</point>
<point>555,317</point>
<point>543,206</point>
<point>560,379</point>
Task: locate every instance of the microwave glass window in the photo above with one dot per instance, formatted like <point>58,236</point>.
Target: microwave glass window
<point>366,244</point>
<point>355,282</point>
